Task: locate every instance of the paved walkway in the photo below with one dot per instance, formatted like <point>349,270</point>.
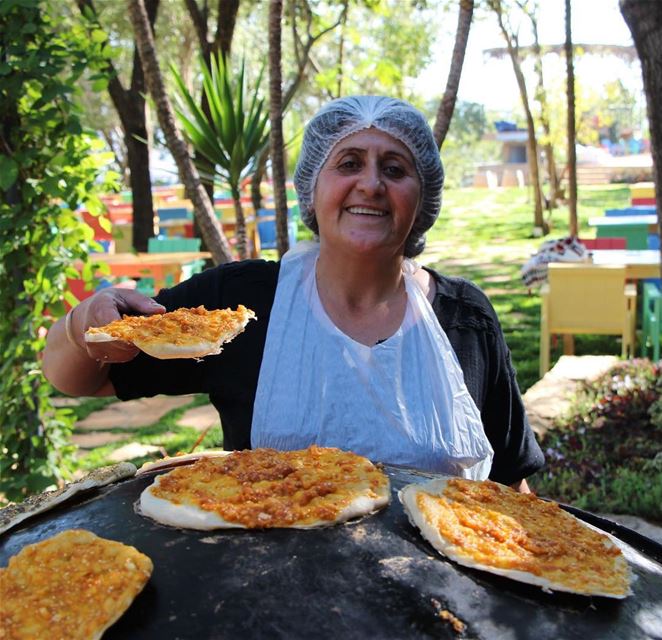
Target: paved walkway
<point>550,397</point>
<point>99,428</point>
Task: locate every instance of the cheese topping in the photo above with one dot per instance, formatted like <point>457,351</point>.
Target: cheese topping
<point>179,327</point>
<point>268,488</point>
<point>73,585</point>
<point>492,525</point>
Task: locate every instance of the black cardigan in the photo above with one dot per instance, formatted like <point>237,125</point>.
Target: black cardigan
<point>463,310</point>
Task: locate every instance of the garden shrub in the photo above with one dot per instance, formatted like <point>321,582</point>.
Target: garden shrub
<point>49,167</point>
<point>606,453</point>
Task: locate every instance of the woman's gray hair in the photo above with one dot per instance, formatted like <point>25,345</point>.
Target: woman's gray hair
<point>343,117</point>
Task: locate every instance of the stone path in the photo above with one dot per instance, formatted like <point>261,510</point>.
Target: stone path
<point>98,428</point>
<point>550,397</point>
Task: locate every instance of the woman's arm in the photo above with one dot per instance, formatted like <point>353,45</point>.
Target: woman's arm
<point>78,368</point>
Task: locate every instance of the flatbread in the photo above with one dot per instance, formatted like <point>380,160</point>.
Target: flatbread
<point>183,333</point>
<point>265,488</point>
<point>38,503</point>
<point>74,585</point>
<point>487,526</point>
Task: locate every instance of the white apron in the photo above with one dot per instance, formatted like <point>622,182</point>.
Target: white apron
<point>402,402</point>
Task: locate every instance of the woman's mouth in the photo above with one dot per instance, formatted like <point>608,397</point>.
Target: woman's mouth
<point>367,211</point>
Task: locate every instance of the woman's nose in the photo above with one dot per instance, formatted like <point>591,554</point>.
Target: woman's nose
<point>370,181</point>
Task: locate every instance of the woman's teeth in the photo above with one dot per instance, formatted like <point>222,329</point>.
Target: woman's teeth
<point>364,211</point>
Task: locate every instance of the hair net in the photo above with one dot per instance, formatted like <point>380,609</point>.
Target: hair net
<point>343,117</point>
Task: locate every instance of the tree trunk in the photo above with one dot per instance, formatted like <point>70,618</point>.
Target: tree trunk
<point>202,207</point>
<point>341,47</point>
<point>226,21</point>
<point>541,96</point>
<point>141,190</point>
<point>447,104</point>
<point>534,170</point>
<point>130,106</point>
<point>276,122</point>
<point>240,224</point>
<point>302,54</point>
<point>572,135</point>
<point>644,20</point>
<point>256,179</point>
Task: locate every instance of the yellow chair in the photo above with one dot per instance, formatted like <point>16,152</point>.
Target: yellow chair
<point>587,298</point>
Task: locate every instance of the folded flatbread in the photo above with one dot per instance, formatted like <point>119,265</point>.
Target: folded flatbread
<point>183,333</point>
<point>487,526</point>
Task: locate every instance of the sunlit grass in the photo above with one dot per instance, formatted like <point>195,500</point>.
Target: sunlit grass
<point>486,235</point>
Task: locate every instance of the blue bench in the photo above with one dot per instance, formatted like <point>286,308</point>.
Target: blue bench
<point>266,227</point>
<point>640,210</point>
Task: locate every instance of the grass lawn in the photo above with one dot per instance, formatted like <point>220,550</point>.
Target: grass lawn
<point>485,235</point>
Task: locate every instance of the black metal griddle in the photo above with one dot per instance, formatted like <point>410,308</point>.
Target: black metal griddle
<point>372,578</point>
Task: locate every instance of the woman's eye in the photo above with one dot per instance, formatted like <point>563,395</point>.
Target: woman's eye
<point>394,171</point>
<point>348,165</point>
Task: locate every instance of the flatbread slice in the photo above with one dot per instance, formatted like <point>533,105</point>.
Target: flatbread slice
<point>487,526</point>
<point>74,585</point>
<point>14,514</point>
<point>183,333</point>
<point>265,488</point>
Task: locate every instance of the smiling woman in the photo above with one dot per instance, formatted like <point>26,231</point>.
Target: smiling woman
<point>367,194</point>
<point>355,346</point>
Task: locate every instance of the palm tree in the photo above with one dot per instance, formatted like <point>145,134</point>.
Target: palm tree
<point>447,104</point>
<point>234,133</point>
<point>531,9</point>
<point>209,226</point>
<point>276,118</point>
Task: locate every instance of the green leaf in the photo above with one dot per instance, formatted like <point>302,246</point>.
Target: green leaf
<point>100,85</point>
<point>98,36</point>
<point>8,172</point>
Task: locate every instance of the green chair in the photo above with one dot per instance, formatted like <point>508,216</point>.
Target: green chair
<point>167,245</point>
<point>651,323</point>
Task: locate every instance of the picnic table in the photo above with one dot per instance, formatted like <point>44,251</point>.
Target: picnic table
<point>634,228</point>
<point>162,267</point>
<point>639,264</point>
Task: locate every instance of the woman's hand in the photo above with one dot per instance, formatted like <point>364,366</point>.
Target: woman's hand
<point>105,307</point>
<point>76,367</point>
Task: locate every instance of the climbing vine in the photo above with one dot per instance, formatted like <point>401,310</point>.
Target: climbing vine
<point>49,166</point>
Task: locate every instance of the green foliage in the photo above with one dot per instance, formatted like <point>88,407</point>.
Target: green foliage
<point>605,454</point>
<point>467,131</point>
<point>50,167</point>
<point>236,130</point>
<point>232,136</point>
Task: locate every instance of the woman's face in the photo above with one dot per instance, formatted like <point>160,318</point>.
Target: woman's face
<point>367,193</point>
